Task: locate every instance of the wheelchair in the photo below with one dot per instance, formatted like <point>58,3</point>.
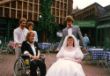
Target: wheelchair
<point>22,66</point>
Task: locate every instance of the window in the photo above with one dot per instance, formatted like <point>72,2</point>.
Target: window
<point>18,14</point>
<point>65,6</point>
<point>24,14</point>
<point>58,4</point>
<point>13,5</point>
<point>60,20</point>
<point>36,8</point>
<point>36,1</point>
<point>57,12</point>
<point>30,15</point>
<point>13,13</point>
<point>25,5</point>
<point>65,1</point>
<point>1,11</point>
<point>65,13</point>
<point>35,16</point>
<point>30,6</point>
<point>30,0</point>
<point>61,12</point>
<point>19,5</point>
<point>6,12</point>
<point>7,5</point>
<point>62,6</point>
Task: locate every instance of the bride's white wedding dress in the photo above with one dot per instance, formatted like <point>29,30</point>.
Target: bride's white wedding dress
<point>66,64</point>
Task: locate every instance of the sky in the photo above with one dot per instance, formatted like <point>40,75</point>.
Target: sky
<point>84,3</point>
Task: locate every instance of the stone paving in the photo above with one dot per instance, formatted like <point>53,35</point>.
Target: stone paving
<point>7,62</point>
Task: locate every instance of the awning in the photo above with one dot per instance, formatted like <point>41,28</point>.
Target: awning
<point>103,26</point>
<point>85,23</point>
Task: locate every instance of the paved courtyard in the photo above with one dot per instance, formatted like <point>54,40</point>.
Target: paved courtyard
<point>7,62</point>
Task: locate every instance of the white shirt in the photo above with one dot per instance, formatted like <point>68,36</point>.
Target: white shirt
<point>33,49</point>
<point>36,36</point>
<point>70,31</point>
<point>20,35</point>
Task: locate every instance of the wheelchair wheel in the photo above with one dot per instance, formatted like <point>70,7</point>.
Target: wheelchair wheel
<point>19,68</point>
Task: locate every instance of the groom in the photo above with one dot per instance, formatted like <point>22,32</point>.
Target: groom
<point>75,31</point>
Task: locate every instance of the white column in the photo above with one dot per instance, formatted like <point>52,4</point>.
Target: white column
<point>67,8</point>
<point>16,8</point>
<point>33,10</point>
<point>22,10</point>
<point>10,9</point>
<point>27,9</point>
<point>3,11</point>
<point>59,12</point>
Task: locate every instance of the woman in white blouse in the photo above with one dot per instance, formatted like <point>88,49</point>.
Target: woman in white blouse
<point>30,26</point>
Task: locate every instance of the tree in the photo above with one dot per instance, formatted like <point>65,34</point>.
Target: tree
<point>46,22</point>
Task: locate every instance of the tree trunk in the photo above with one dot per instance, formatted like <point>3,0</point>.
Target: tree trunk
<point>44,36</point>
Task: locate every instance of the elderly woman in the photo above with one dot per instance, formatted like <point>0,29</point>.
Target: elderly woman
<point>30,48</point>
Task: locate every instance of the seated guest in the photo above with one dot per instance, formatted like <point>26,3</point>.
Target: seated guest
<point>30,48</point>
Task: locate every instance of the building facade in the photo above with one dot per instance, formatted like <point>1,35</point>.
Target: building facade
<point>95,21</point>
<point>30,9</point>
<point>87,18</point>
<point>91,12</point>
<point>103,29</point>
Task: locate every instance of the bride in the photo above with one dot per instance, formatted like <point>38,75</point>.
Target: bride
<point>68,59</point>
